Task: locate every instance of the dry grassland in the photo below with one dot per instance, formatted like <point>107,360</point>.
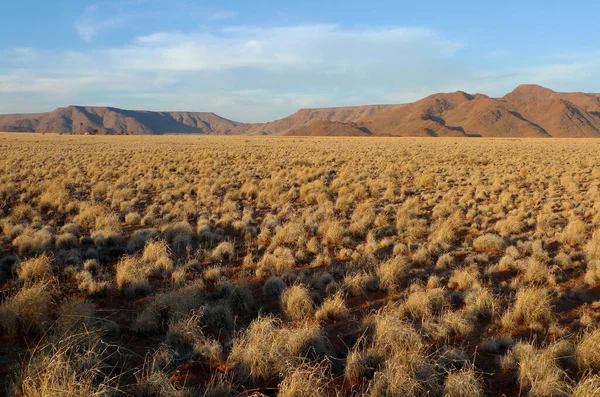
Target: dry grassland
<point>221,266</point>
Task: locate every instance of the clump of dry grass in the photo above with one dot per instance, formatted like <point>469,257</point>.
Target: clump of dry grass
<point>132,272</point>
<point>592,274</point>
<point>510,226</point>
<point>464,279</point>
<point>72,365</point>
<point>35,269</point>
<point>588,386</point>
<point>34,242</point>
<point>187,335</point>
<point>463,383</point>
<point>165,307</point>
<point>588,352</point>
<point>267,348</point>
<point>297,302</point>
<point>333,308</point>
<point>304,381</point>
<point>391,272</point>
<point>223,251</point>
<point>489,243</point>
<point>574,232</point>
<point>357,284</point>
<point>538,370</point>
<point>27,312</point>
<point>532,308</point>
<point>406,370</point>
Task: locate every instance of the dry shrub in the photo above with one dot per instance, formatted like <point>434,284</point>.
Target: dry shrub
<point>224,250</point>
<point>588,351</point>
<point>241,300</point>
<point>267,348</point>
<point>132,272</point>
<point>489,243</point>
<point>35,269</point>
<point>276,264</point>
<point>481,303</point>
<point>422,303</point>
<point>407,370</point>
<point>33,242</point>
<point>592,248</point>
<point>71,365</point>
<point>66,241</point>
<point>588,386</point>
<point>297,302</point>
<point>463,383</point>
<point>362,363</point>
<point>463,279</point>
<point>592,274</point>
<point>538,371</point>
<point>458,324</point>
<point>165,307</point>
<point>86,283</point>
<point>218,318</point>
<point>445,261</point>
<point>291,235</point>
<point>391,272</point>
<point>333,308</point>
<point>332,232</point>
<point>213,274</point>
<point>510,226</point>
<point>532,308</point>
<point>574,233</point>
<point>132,277</point>
<point>536,272</point>
<point>357,284</point>
<point>27,311</point>
<point>187,335</point>
<point>273,288</point>
<point>304,381</point>
<point>133,218</point>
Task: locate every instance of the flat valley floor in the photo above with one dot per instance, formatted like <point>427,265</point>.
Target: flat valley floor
<point>263,266</point>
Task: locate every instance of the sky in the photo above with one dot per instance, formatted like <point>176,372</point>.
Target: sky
<point>255,61</point>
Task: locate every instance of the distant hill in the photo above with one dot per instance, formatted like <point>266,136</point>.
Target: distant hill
<point>106,120</point>
<point>527,111</point>
<point>329,128</point>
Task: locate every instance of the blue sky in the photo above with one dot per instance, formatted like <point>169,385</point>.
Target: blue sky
<point>261,60</point>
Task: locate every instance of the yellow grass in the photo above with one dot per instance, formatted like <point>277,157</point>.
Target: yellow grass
<point>292,265</point>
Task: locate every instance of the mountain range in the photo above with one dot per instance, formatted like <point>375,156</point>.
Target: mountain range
<point>528,111</point>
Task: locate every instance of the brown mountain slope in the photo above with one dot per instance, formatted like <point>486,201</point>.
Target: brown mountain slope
<point>305,117</point>
<point>456,114</point>
<point>80,119</point>
<point>329,128</point>
<point>565,115</point>
<point>527,111</point>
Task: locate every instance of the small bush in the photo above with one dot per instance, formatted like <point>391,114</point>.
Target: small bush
<point>333,308</point>
<point>35,269</point>
<point>297,303</point>
<point>27,311</point>
<point>489,243</point>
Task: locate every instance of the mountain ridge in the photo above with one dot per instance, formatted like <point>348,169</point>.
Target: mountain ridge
<point>527,111</point>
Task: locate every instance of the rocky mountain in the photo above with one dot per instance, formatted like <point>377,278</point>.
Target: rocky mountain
<point>527,111</point>
<point>329,128</point>
<point>107,120</point>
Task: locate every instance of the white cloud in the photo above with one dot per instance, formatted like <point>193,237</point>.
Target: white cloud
<point>222,15</point>
<point>298,47</point>
<point>257,73</point>
<point>93,21</point>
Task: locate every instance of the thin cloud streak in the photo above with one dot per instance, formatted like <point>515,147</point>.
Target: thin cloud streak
<point>256,73</point>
